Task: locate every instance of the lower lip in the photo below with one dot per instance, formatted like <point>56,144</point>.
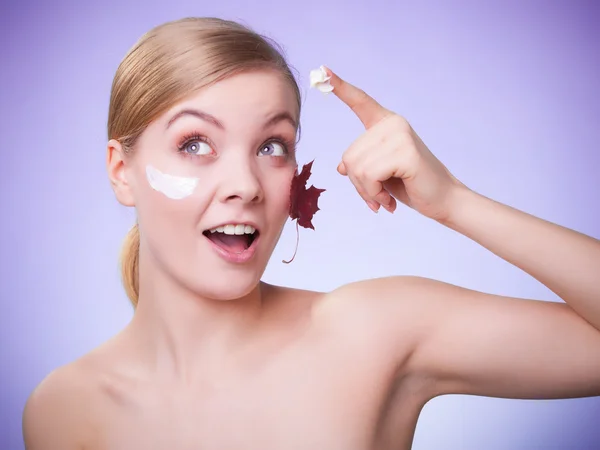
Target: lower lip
<point>237,258</point>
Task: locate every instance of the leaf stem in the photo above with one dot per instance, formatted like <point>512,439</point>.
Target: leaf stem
<point>296,250</point>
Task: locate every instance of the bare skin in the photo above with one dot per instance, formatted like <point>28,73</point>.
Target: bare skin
<point>349,369</point>
<point>307,381</point>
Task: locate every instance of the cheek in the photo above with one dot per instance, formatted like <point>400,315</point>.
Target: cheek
<point>171,229</point>
<point>167,203</point>
<point>165,190</point>
<point>166,221</point>
<point>279,189</point>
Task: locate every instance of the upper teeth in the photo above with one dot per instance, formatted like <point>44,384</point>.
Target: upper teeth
<point>235,229</point>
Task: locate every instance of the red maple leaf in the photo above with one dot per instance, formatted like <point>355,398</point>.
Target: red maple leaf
<point>303,202</point>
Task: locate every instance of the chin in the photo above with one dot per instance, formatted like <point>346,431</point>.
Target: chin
<point>228,291</point>
<point>224,285</point>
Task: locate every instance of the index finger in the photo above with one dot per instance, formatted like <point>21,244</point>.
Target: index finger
<point>365,107</point>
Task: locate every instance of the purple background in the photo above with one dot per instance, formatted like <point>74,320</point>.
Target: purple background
<point>507,95</point>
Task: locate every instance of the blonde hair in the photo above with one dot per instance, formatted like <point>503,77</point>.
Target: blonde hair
<point>166,65</point>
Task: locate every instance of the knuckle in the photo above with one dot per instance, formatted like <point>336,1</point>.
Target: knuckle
<point>360,173</point>
<point>361,191</point>
<point>401,124</point>
<point>369,173</point>
<point>347,157</point>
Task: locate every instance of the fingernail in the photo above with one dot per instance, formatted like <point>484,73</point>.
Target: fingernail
<point>374,206</point>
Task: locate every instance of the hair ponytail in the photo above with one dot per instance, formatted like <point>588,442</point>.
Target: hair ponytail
<point>130,255</point>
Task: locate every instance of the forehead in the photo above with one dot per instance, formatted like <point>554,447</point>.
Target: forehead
<point>249,96</point>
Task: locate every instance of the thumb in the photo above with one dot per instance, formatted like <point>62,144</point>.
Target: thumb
<point>341,168</point>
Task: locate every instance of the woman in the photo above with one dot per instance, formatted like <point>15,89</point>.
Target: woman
<point>202,124</point>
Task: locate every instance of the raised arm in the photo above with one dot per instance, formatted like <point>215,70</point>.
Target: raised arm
<point>489,345</point>
<point>474,343</point>
<point>465,341</point>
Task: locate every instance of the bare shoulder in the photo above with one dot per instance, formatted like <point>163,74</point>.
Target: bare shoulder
<point>373,298</point>
<point>63,410</point>
<point>55,412</point>
<point>353,301</point>
<point>384,314</point>
<point>392,315</point>
<point>455,340</point>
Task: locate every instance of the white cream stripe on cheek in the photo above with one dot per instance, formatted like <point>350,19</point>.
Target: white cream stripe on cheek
<point>171,186</point>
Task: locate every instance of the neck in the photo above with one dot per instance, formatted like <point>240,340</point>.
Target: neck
<point>183,335</point>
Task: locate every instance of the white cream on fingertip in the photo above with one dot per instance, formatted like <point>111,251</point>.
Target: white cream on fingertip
<point>171,186</point>
<point>320,80</point>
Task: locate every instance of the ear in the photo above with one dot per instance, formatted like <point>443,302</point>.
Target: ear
<point>115,165</point>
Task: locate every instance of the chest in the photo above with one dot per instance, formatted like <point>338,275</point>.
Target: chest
<point>263,417</point>
<point>308,404</point>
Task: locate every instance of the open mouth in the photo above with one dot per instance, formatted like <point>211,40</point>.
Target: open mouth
<point>233,238</point>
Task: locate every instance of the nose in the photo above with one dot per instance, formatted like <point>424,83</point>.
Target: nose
<point>240,182</point>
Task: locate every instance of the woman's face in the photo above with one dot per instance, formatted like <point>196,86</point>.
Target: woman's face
<point>237,139</point>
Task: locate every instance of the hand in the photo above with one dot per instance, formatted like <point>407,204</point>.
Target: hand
<point>389,161</point>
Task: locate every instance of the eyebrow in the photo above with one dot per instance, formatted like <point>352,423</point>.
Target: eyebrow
<point>283,116</point>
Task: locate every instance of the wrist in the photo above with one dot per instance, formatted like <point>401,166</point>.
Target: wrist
<point>459,197</point>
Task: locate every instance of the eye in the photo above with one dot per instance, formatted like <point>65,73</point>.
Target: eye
<point>273,148</point>
<point>197,148</point>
